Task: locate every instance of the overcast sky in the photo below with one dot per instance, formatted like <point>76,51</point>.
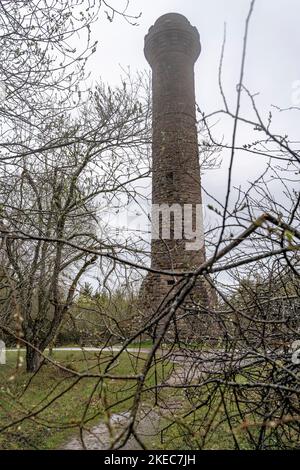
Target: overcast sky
<point>274,44</point>
<point>272,66</point>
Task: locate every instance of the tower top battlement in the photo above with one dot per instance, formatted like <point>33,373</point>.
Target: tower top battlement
<point>171,32</point>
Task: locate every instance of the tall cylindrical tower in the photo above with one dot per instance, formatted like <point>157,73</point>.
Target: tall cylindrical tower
<point>172,46</point>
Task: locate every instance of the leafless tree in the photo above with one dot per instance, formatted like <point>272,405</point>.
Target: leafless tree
<point>237,377</point>
<point>57,194</point>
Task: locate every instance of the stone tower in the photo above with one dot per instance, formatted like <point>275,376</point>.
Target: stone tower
<point>172,46</point>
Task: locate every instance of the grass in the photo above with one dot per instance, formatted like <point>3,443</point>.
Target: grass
<point>224,423</point>
<point>60,400</point>
<point>48,407</point>
<point>204,428</point>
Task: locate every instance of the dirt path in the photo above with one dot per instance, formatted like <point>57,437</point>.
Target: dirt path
<point>185,371</point>
<point>148,422</point>
<point>90,349</point>
<point>99,437</point>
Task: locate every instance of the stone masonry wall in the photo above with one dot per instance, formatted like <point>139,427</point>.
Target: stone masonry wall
<point>172,46</point>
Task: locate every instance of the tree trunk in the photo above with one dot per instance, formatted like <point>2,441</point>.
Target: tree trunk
<point>33,359</point>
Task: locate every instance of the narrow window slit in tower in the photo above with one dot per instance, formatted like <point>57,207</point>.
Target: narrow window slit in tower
<point>170,176</point>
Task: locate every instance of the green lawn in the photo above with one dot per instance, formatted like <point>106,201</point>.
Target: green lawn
<point>47,408</point>
<point>60,399</point>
